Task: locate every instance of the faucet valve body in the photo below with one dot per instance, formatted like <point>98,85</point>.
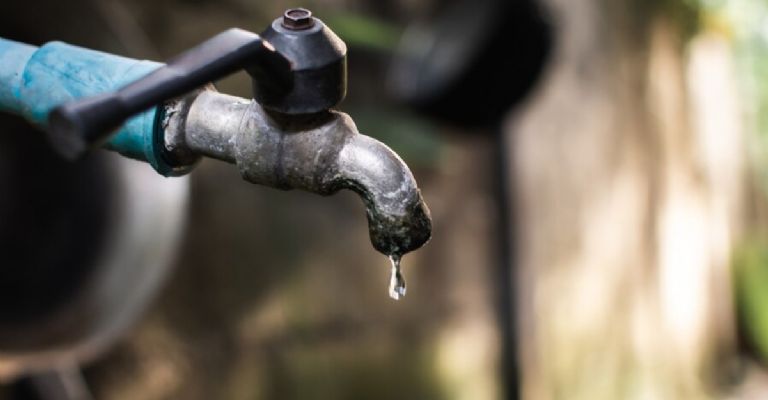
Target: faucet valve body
<point>320,153</point>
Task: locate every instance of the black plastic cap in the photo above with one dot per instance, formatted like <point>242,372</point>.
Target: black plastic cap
<point>319,67</point>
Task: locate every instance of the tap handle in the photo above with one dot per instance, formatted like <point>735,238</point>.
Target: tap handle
<point>80,125</point>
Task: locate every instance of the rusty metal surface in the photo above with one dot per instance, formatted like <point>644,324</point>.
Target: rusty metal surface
<point>321,153</point>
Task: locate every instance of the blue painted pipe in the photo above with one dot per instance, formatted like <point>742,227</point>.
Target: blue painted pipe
<point>34,81</point>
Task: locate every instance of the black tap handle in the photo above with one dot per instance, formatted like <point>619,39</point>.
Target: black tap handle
<point>78,126</point>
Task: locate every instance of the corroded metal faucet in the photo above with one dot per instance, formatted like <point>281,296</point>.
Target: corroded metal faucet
<point>320,153</point>
<point>287,137</point>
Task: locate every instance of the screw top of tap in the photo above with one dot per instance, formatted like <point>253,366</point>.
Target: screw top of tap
<point>298,19</point>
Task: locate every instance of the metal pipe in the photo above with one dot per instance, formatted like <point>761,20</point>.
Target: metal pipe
<point>210,123</point>
<point>320,153</point>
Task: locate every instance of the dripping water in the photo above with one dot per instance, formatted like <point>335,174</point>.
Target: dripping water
<point>396,280</point>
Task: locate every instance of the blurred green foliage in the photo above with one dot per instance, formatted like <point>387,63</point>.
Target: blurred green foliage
<point>686,14</point>
<point>415,139</point>
<point>364,31</point>
<point>750,278</point>
<point>745,24</point>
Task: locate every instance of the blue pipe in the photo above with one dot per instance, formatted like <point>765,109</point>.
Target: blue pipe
<point>34,81</point>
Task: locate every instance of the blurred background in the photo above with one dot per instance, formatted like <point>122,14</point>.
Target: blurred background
<point>597,173</point>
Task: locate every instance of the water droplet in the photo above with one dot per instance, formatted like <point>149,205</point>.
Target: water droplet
<point>396,280</point>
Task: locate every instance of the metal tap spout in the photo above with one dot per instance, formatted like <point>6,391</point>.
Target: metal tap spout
<point>320,153</point>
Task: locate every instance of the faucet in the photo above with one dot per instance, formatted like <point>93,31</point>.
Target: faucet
<point>287,137</point>
<point>320,153</point>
